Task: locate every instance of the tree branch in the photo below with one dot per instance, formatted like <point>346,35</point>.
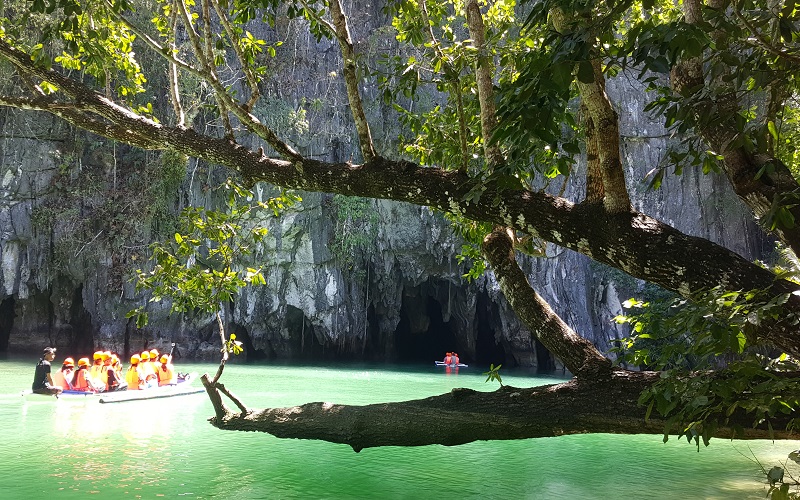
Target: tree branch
<point>351,81</point>
<point>608,405</point>
<point>483,77</point>
<point>578,354</point>
<point>605,122</point>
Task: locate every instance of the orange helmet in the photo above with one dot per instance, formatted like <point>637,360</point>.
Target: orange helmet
<point>69,362</point>
<point>83,362</point>
<point>145,355</point>
<point>135,359</point>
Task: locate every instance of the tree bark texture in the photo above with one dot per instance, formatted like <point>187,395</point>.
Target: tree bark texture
<point>578,354</point>
<point>605,124</point>
<point>607,405</point>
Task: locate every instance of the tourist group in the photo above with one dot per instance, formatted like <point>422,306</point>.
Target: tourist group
<point>105,374</point>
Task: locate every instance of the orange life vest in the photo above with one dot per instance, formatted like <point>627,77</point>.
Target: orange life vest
<point>81,381</point>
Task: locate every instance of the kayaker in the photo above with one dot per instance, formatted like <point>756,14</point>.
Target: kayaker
<point>42,380</point>
<point>454,359</point>
<point>63,377</point>
<point>166,372</point>
<point>134,377</point>
<point>448,358</point>
<point>82,380</point>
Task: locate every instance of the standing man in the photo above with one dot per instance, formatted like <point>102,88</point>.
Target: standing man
<point>42,380</point>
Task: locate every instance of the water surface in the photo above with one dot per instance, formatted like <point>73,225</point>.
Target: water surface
<point>165,448</point>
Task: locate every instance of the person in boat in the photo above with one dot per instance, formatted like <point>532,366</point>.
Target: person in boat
<point>448,358</point>
<point>147,372</point>
<point>454,359</point>
<point>95,371</point>
<point>113,381</point>
<point>134,376</point>
<point>42,380</point>
<point>82,381</point>
<point>154,359</point>
<point>166,372</point>
<point>63,377</point>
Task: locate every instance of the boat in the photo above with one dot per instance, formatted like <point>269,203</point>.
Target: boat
<point>182,388</point>
<point>451,365</point>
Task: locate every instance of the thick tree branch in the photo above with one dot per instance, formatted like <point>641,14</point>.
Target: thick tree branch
<point>594,172</point>
<point>578,354</point>
<point>604,120</point>
<point>607,405</point>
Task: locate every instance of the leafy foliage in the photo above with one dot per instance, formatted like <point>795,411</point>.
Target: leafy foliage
<point>494,374</point>
<point>685,338</point>
<point>199,269</point>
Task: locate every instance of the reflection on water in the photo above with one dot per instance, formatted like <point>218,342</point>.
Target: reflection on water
<point>166,448</point>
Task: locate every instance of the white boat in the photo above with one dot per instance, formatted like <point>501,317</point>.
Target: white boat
<point>451,365</point>
<point>182,388</point>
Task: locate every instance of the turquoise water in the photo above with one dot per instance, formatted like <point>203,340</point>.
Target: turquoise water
<point>166,449</point>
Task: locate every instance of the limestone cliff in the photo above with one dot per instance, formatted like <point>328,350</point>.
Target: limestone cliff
<point>77,212</point>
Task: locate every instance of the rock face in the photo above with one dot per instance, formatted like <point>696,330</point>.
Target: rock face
<point>68,242</point>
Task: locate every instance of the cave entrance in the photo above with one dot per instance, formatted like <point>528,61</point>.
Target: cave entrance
<point>251,354</point>
<point>488,350</point>
<point>6,321</point>
<point>545,363</point>
<point>422,335</point>
<point>301,334</point>
<point>81,322</point>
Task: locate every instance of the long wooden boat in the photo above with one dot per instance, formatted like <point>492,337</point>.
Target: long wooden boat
<point>182,388</point>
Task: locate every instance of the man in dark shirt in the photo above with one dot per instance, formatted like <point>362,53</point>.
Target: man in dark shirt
<point>42,380</point>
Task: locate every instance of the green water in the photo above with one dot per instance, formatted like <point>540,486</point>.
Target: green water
<point>166,449</point>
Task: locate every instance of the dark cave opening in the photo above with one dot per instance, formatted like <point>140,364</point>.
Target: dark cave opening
<point>544,359</point>
<point>301,332</point>
<point>250,353</point>
<point>81,322</point>
<point>422,335</point>
<point>6,321</point>
<point>488,350</point>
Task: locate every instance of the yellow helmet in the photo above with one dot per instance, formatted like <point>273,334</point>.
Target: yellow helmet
<point>145,355</point>
<point>69,362</point>
<point>83,362</point>
<point>135,359</point>
<point>164,359</point>
<point>97,355</point>
<point>153,353</point>
<point>105,354</point>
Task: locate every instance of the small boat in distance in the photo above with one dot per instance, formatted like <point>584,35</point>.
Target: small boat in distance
<point>451,365</point>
